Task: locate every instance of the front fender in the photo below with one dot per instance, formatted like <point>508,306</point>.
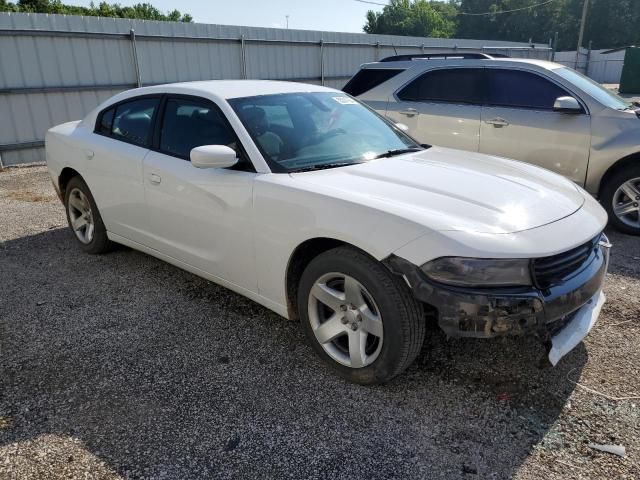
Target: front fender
<point>287,215</point>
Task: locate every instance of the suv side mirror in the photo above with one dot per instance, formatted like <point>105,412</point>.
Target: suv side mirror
<point>567,105</point>
<point>213,156</point>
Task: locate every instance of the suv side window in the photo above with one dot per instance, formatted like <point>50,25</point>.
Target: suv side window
<point>520,89</point>
<point>130,121</point>
<point>455,85</point>
<point>188,123</point>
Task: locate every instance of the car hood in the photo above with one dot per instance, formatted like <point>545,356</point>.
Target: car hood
<point>445,189</point>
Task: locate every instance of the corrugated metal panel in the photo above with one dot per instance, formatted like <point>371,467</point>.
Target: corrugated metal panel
<point>102,62</point>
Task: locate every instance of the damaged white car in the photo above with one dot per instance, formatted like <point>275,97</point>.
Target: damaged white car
<point>310,203</point>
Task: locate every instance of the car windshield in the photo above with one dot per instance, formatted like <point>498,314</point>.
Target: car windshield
<point>313,130</point>
<point>597,91</point>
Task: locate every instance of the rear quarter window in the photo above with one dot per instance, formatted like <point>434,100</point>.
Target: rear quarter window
<point>458,85</point>
<point>369,78</point>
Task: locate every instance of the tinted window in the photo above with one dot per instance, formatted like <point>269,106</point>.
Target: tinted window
<point>461,85</point>
<point>106,120</point>
<point>132,120</point>
<point>188,124</point>
<point>368,78</point>
<point>515,88</point>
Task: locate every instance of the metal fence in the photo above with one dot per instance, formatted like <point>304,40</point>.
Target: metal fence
<point>603,66</point>
<point>56,68</point>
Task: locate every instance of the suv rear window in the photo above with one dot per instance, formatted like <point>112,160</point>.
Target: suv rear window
<point>368,78</point>
<point>458,85</point>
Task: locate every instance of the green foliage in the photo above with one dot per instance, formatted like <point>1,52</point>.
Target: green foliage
<point>419,18</point>
<point>142,11</point>
<point>611,23</point>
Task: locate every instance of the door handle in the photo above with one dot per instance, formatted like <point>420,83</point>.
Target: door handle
<point>497,122</point>
<point>155,179</point>
<point>409,112</point>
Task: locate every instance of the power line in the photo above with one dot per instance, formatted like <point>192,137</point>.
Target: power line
<point>471,13</point>
<point>507,11</point>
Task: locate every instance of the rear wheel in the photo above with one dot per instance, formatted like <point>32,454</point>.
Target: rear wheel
<point>359,317</point>
<point>84,218</point>
<point>621,198</point>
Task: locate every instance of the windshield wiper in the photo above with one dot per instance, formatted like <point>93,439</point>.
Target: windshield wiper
<point>399,151</point>
<point>323,166</point>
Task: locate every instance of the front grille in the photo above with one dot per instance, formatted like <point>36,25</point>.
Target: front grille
<point>548,271</point>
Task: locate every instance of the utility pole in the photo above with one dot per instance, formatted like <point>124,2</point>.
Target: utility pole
<point>287,16</point>
<point>585,7</point>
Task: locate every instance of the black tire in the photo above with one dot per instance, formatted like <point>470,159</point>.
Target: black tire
<point>607,197</point>
<point>99,243</point>
<point>402,316</point>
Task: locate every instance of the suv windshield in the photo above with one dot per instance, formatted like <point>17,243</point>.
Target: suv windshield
<point>303,131</point>
<point>597,91</point>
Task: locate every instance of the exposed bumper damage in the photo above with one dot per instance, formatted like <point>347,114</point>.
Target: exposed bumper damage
<point>491,312</point>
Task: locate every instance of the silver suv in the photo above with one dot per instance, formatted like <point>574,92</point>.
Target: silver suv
<point>530,110</point>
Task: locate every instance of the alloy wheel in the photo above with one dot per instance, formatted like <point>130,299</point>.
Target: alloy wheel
<point>345,320</point>
<point>626,203</point>
<point>80,216</point>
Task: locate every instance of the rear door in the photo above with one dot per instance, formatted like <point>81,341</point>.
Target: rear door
<point>442,107</point>
<point>118,146</point>
<point>519,122</point>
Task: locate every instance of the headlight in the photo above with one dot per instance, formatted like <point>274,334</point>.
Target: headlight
<point>479,272</point>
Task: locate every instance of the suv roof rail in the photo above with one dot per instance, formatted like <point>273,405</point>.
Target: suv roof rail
<point>450,55</point>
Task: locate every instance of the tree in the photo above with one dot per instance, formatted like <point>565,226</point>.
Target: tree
<point>142,11</point>
<point>610,24</point>
<point>420,18</point>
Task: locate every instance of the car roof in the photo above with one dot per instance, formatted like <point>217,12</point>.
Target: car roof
<point>405,64</point>
<point>227,89</point>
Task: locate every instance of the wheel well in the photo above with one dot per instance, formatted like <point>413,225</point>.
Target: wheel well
<point>616,167</point>
<point>65,176</point>
<point>301,257</point>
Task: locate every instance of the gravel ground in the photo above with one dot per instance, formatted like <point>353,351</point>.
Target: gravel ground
<point>121,366</point>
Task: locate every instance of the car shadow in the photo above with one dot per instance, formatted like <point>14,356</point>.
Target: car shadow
<point>160,374</point>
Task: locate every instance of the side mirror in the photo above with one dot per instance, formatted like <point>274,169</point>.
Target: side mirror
<point>213,156</point>
<point>402,127</point>
<point>567,105</point>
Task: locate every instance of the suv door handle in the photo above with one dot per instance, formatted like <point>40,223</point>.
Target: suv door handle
<point>410,112</point>
<point>497,122</point>
<point>155,179</point>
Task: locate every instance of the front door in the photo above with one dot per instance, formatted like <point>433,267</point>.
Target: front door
<point>519,122</point>
<point>202,217</point>
<point>442,107</point>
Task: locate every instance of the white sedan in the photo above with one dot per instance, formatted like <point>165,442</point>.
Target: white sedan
<point>311,204</point>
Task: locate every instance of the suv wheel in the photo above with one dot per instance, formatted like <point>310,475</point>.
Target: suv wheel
<point>84,218</point>
<point>359,317</point>
<point>621,199</point>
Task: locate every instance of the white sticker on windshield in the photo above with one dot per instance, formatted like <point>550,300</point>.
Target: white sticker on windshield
<point>345,100</point>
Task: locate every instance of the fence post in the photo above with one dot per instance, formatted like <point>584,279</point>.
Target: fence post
<point>243,56</point>
<point>134,50</point>
<point>377,51</point>
<point>555,47</point>
<point>321,62</point>
<point>586,66</point>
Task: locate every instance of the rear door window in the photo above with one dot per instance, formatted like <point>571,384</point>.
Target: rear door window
<point>520,89</point>
<point>129,121</point>
<point>458,85</point>
<point>369,78</point>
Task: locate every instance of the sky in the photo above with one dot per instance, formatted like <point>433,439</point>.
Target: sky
<point>328,15</point>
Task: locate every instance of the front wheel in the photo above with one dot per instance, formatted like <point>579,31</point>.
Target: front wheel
<point>621,199</point>
<point>359,317</point>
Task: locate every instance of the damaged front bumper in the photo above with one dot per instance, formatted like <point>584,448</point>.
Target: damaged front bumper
<point>491,312</point>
